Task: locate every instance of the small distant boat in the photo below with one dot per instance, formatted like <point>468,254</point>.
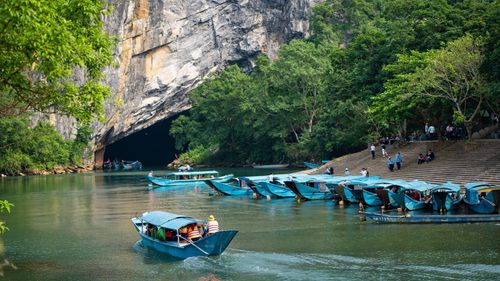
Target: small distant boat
<point>271,166</point>
<point>229,189</point>
<point>445,196</point>
<point>131,165</point>
<point>311,165</point>
<point>383,218</point>
<point>161,231</point>
<point>482,197</point>
<point>188,178</point>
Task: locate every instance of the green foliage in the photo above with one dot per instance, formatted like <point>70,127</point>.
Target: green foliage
<point>369,68</point>
<point>5,206</point>
<point>44,47</point>
<point>196,155</point>
<point>23,149</point>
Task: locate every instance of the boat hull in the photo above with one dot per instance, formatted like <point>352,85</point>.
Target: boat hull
<point>279,190</point>
<point>305,192</point>
<point>211,245</point>
<point>227,189</point>
<point>188,182</point>
<point>382,218</point>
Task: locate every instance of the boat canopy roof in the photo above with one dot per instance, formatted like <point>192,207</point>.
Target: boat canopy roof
<point>169,220</point>
<point>194,173</point>
<point>449,186</point>
<point>418,185</point>
<point>481,186</point>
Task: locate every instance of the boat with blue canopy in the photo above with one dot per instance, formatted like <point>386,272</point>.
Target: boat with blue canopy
<point>310,190</point>
<point>482,197</point>
<point>131,165</point>
<point>445,196</point>
<point>410,218</point>
<point>311,165</point>
<point>233,187</point>
<point>191,178</point>
<point>416,195</point>
<point>350,188</point>
<point>163,232</point>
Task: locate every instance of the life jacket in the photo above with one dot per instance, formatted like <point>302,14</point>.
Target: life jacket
<point>213,227</point>
<point>194,233</point>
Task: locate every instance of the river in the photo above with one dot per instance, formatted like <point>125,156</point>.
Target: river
<point>77,227</point>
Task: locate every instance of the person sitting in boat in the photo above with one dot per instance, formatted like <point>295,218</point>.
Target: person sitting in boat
<point>346,172</point>
<point>150,174</point>
<point>212,225</point>
<point>169,235</point>
<point>193,233</point>
<point>271,178</point>
<point>183,233</point>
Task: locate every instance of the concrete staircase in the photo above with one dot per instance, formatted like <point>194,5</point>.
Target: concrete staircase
<point>456,161</point>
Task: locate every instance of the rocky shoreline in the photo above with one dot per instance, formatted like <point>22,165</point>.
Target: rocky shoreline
<point>57,170</point>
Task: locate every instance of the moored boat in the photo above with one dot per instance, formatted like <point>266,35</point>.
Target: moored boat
<point>271,166</point>
<point>416,195</point>
<point>131,165</point>
<point>482,197</point>
<point>445,196</point>
<point>163,232</point>
<point>196,178</point>
<point>232,187</point>
<point>408,218</point>
<point>310,190</point>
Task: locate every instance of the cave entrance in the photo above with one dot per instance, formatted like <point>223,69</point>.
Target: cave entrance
<point>153,146</point>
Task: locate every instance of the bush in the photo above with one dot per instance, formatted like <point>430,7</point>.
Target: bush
<point>23,149</point>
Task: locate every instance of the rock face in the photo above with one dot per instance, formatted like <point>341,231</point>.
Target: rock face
<point>166,48</point>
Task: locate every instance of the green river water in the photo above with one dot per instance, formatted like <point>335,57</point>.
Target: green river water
<point>77,227</point>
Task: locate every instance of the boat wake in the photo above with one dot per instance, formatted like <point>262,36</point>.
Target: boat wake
<point>241,265</point>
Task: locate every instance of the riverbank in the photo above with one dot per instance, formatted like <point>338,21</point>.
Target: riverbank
<point>57,170</point>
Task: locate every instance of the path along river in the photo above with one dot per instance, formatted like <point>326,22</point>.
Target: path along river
<point>77,227</point>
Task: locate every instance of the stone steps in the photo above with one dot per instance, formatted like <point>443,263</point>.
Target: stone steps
<point>459,161</point>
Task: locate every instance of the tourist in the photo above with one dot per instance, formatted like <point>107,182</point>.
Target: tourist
<point>194,233</point>
<point>363,172</point>
<point>271,178</point>
<point>432,132</point>
<point>367,173</point>
<point>346,172</point>
<point>372,150</point>
<point>384,152</point>
<point>390,164</point>
<point>421,158</point>
<point>330,170</point>
<point>430,155</point>
<point>150,174</point>
<point>399,159</point>
<point>426,128</point>
<point>212,225</point>
<point>183,232</point>
<point>449,132</point>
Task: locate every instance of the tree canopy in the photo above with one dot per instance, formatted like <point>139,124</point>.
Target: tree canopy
<point>51,57</point>
<point>369,68</point>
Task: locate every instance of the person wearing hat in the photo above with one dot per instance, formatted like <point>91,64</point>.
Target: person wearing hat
<point>346,172</point>
<point>212,225</point>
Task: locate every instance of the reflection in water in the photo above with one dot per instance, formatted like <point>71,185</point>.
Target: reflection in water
<point>77,227</point>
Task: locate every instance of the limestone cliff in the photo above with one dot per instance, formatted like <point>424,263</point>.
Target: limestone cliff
<point>166,48</point>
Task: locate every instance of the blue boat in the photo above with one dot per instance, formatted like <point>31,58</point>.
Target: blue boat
<point>188,178</point>
<point>445,196</point>
<point>278,190</point>
<point>350,189</point>
<point>310,190</point>
<point>311,165</point>
<point>383,218</point>
<point>482,197</point>
<point>417,195</point>
<point>229,189</point>
<point>161,231</point>
<point>131,165</point>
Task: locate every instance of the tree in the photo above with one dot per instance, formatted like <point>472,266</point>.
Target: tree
<point>5,206</point>
<point>451,74</point>
<point>51,57</point>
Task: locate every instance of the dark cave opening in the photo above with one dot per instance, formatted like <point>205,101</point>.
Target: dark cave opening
<point>153,146</point>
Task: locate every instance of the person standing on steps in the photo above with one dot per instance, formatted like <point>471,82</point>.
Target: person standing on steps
<point>390,164</point>
<point>372,150</point>
<point>399,160</point>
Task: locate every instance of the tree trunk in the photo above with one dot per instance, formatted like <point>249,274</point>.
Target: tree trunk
<point>468,127</point>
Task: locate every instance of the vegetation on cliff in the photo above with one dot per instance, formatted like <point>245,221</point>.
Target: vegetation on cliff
<point>52,54</point>
<point>370,68</point>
